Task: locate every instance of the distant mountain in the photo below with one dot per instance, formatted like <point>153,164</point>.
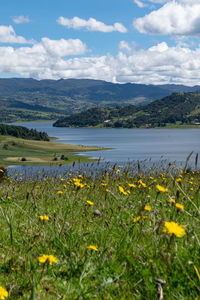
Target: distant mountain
<point>30,99</point>
<point>176,109</point>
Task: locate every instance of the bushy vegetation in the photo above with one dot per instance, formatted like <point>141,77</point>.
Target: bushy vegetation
<point>23,132</point>
<point>179,108</point>
<point>121,234</point>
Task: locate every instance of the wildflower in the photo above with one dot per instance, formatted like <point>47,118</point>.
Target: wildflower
<point>171,200</point>
<point>197,272</point>
<point>92,247</point>
<point>147,207</point>
<point>37,186</point>
<point>174,228</point>
<point>142,183</point>
<point>9,198</point>
<point>47,259</point>
<point>180,206</point>
<point>135,220</point>
<point>3,293</point>
<point>161,188</point>
<point>121,189</point>
<point>15,268</point>
<point>59,192</point>
<point>44,218</point>
<point>132,185</point>
<point>178,180</point>
<point>90,203</point>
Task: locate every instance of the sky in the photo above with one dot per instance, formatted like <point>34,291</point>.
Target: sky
<point>138,41</point>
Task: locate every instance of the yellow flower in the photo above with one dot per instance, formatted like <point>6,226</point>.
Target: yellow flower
<point>44,218</point>
<point>178,180</point>
<point>147,207</point>
<point>92,247</point>
<point>180,206</point>
<point>90,203</point>
<point>3,293</point>
<point>2,171</point>
<point>171,200</point>
<point>37,186</point>
<point>174,228</point>
<point>132,185</point>
<point>9,198</point>
<point>142,183</point>
<point>121,189</point>
<point>138,218</point>
<point>161,188</point>
<point>47,259</point>
<point>59,192</point>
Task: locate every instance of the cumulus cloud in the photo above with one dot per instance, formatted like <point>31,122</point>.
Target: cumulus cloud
<point>156,65</point>
<point>91,24</point>
<point>8,35</point>
<point>181,17</point>
<point>20,19</point>
<point>64,47</point>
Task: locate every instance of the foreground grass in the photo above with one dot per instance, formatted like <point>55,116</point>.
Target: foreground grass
<point>13,150</point>
<point>105,234</point>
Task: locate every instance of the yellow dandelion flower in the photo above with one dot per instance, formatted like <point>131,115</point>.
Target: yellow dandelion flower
<point>3,293</point>
<point>161,188</point>
<point>174,228</point>
<point>142,183</point>
<point>178,180</point>
<point>92,247</point>
<point>47,259</point>
<point>171,200</point>
<point>147,207</point>
<point>191,189</point>
<point>136,219</point>
<point>121,189</point>
<point>179,206</point>
<point>44,218</point>
<point>90,203</point>
<point>59,192</point>
<point>197,272</point>
<point>132,185</point>
<point>9,198</point>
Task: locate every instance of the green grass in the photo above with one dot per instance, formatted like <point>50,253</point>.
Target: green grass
<point>12,150</point>
<point>135,260</point>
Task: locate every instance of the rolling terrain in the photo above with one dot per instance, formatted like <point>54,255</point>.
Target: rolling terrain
<point>174,110</point>
<point>29,99</point>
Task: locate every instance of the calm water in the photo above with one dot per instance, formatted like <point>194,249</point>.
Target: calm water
<point>129,144</point>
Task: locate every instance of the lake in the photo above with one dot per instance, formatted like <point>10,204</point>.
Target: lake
<point>128,144</point>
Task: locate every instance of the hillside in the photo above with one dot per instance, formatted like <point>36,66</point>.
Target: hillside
<point>23,132</point>
<point>29,99</point>
<point>176,109</point>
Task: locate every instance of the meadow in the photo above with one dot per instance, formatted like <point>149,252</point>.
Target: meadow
<point>18,151</point>
<point>122,233</point>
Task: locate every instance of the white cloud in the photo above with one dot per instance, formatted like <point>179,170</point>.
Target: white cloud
<point>157,65</point>
<point>91,24</point>
<point>139,3</point>
<point>174,18</point>
<point>8,35</point>
<point>64,47</point>
<point>20,19</point>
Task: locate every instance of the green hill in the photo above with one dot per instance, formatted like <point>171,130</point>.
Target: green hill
<point>176,109</point>
<point>29,99</point>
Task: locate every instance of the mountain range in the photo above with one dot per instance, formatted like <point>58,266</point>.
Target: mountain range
<point>27,99</point>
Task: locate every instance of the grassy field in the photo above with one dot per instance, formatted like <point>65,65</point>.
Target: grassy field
<point>20,151</point>
<point>122,234</point>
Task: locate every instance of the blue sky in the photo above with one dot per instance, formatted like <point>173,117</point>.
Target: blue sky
<point>142,41</point>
